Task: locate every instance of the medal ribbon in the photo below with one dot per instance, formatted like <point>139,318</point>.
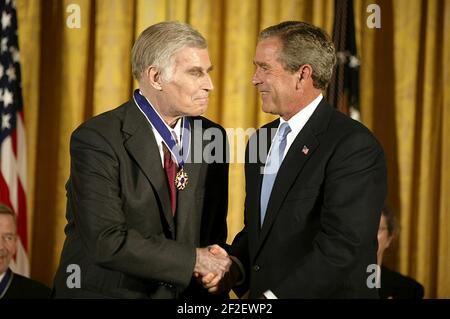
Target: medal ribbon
<point>153,117</point>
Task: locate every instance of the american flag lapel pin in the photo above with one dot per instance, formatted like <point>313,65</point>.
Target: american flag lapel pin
<point>305,150</point>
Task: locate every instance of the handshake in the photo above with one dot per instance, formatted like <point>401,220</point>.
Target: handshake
<point>215,269</point>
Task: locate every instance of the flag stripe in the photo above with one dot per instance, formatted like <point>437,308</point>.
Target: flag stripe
<point>22,217</point>
<point>4,191</point>
<point>12,132</point>
<point>9,171</point>
<point>21,152</point>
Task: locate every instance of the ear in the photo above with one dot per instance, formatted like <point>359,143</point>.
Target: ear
<point>304,75</point>
<point>388,243</point>
<point>153,77</point>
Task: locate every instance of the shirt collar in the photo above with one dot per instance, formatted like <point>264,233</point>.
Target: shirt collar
<point>298,121</point>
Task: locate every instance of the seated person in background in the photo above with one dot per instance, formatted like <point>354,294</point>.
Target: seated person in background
<point>393,284</point>
<point>14,286</point>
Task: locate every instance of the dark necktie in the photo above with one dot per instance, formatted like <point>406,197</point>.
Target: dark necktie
<point>171,170</point>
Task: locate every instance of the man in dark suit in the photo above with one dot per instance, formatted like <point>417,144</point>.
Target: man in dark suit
<point>141,197</point>
<point>312,207</point>
<point>12,285</point>
<point>393,285</point>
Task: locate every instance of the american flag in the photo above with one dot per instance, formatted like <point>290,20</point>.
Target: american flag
<point>12,132</point>
<point>343,91</point>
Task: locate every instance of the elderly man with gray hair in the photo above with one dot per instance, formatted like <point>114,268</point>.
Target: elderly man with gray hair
<point>142,214</point>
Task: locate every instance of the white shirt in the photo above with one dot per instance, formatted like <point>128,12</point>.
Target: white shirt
<point>1,276</point>
<point>296,123</point>
<point>176,132</point>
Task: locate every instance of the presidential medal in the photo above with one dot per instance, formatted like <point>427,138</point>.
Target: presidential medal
<point>179,152</point>
<point>181,179</point>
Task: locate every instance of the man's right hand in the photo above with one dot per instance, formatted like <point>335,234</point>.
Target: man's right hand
<point>216,284</point>
<point>208,263</point>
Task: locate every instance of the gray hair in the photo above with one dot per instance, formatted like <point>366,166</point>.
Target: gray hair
<point>158,44</point>
<point>303,43</point>
<point>6,210</point>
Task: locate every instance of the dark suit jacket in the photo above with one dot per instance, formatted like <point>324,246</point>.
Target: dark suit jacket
<point>120,227</point>
<point>396,286</point>
<point>320,230</point>
<point>21,287</point>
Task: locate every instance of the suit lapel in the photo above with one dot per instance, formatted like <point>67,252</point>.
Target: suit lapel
<point>141,145</point>
<point>254,181</point>
<point>188,219</point>
<point>291,167</point>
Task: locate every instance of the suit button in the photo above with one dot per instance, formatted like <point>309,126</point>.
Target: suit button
<point>256,267</point>
<point>165,284</point>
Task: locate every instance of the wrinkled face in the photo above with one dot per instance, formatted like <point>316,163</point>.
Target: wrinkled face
<point>276,85</point>
<point>7,241</point>
<point>384,239</point>
<point>187,89</point>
